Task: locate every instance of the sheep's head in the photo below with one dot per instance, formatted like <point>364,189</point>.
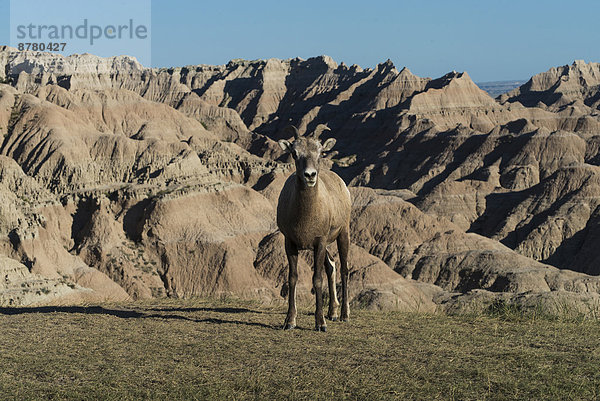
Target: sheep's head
<point>307,151</point>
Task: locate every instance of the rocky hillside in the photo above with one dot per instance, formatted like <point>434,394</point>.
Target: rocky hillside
<point>119,181</point>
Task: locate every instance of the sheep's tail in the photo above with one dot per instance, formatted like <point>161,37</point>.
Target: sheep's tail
<point>329,262</point>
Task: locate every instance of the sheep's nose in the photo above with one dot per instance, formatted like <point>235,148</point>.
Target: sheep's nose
<point>310,174</point>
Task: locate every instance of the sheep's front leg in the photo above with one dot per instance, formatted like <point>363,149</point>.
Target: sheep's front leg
<point>292,254</point>
<point>318,285</point>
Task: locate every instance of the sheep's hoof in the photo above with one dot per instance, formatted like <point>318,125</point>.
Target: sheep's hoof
<point>344,319</point>
<point>289,326</point>
<point>333,318</point>
<point>321,328</point>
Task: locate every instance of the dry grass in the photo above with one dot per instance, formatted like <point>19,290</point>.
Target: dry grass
<point>202,349</point>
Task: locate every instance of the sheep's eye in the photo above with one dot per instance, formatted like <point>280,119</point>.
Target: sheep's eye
<point>294,154</point>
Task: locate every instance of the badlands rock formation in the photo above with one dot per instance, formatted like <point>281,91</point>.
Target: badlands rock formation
<point>124,182</point>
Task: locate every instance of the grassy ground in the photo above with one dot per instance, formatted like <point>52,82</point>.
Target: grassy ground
<point>234,350</point>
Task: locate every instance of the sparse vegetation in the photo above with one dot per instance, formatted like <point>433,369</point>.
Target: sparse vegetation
<point>14,115</point>
<point>24,198</point>
<point>225,349</point>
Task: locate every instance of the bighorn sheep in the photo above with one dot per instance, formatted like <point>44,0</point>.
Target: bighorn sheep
<point>312,212</point>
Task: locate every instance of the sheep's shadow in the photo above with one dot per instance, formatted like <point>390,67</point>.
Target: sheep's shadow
<point>133,314</point>
<point>206,309</point>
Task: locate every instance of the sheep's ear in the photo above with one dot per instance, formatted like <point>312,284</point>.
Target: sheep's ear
<point>286,146</point>
<point>330,143</point>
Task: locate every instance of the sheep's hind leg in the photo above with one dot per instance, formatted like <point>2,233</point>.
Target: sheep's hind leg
<point>343,243</point>
<point>333,300</point>
<point>318,285</point>
<point>292,254</point>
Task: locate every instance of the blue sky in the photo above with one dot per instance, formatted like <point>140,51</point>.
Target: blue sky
<point>491,40</point>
